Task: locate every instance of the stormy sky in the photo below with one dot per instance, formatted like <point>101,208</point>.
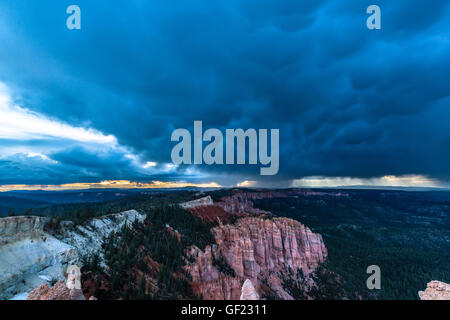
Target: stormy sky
<point>354,106</point>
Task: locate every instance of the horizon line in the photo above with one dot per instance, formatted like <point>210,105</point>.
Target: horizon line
<point>134,185</point>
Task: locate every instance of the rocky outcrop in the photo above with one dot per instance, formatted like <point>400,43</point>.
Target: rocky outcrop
<point>206,201</point>
<point>13,229</point>
<point>249,291</point>
<point>241,202</point>
<point>436,290</point>
<point>211,213</point>
<point>30,257</point>
<point>88,239</point>
<point>236,204</point>
<point>205,209</point>
<point>58,292</point>
<point>257,249</point>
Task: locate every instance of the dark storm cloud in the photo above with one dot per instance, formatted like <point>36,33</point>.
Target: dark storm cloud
<point>348,101</point>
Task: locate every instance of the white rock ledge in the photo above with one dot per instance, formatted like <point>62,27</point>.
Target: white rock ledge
<point>30,257</point>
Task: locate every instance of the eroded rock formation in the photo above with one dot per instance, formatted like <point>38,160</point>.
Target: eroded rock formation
<point>436,290</point>
<point>207,210</point>
<point>13,229</point>
<point>258,249</point>
<point>205,201</point>
<point>240,202</point>
<point>249,291</point>
<point>29,256</point>
<point>58,292</point>
<point>246,262</point>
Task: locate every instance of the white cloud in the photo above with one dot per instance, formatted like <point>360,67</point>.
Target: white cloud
<point>40,156</point>
<point>246,184</point>
<point>17,123</point>
<point>32,139</point>
<point>385,181</point>
<point>149,164</point>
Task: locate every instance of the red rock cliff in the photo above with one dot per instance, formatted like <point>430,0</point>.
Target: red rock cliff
<point>242,202</point>
<point>257,249</point>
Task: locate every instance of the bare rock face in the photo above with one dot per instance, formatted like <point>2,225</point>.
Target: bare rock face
<point>207,210</point>
<point>436,290</point>
<point>257,249</point>
<point>238,203</point>
<point>206,201</point>
<point>249,291</point>
<point>88,239</point>
<point>242,202</point>
<point>58,292</point>
<point>29,256</point>
<point>14,229</point>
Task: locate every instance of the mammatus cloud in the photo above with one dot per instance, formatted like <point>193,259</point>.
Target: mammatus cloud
<point>109,184</point>
<point>42,148</point>
<point>349,102</point>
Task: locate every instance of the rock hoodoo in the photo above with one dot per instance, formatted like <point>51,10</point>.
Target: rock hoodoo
<point>258,249</point>
<point>248,291</point>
